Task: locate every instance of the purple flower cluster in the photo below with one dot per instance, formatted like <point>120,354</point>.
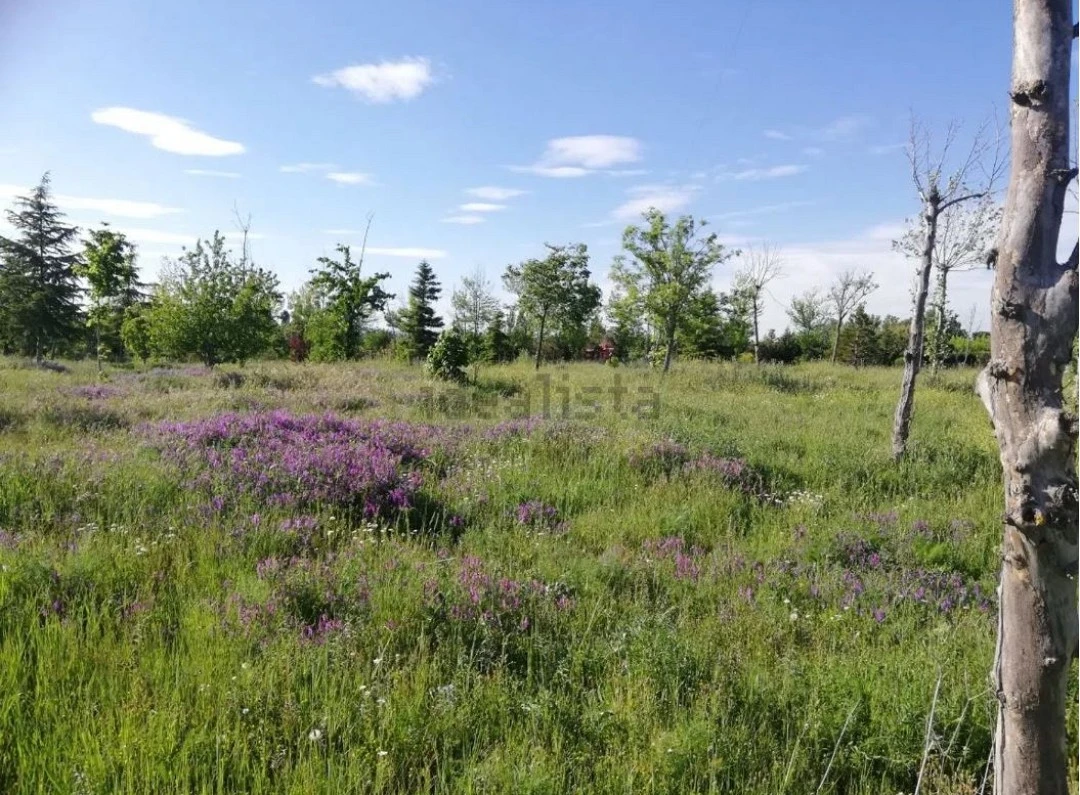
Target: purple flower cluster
<point>687,561</point>
<point>289,461</point>
<point>668,458</point>
<point>540,516</point>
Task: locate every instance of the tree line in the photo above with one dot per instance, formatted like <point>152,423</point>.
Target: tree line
<point>66,295</point>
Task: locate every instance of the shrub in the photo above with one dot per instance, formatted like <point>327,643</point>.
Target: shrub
<point>449,357</point>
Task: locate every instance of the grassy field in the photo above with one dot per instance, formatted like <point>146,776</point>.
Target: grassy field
<point>296,578</point>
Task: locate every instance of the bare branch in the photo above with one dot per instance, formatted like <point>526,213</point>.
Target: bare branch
<point>363,244</point>
<point>959,199</point>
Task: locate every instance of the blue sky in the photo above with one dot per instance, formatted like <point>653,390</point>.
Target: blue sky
<point>476,131</point>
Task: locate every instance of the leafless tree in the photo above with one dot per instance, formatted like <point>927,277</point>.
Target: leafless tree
<point>974,178</point>
<point>763,265</point>
<point>845,294</point>
<point>1033,322</point>
<point>244,227</point>
<point>972,315</point>
<point>474,304</point>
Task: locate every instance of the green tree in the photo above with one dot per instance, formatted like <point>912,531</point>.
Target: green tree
<point>418,322</point>
<point>348,301</point>
<point>554,289</point>
<point>135,331</point>
<point>669,265</point>
<point>497,346</point>
<point>449,356</point>
<point>212,307</point>
<point>39,288</point>
<point>108,265</point>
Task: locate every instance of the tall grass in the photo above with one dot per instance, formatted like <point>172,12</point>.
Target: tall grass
<point>587,602</point>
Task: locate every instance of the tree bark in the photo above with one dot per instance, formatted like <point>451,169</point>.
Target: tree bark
<point>836,339</point>
<point>1034,319</point>
<point>940,300</point>
<point>540,339</point>
<point>756,341</point>
<point>670,352</point>
<point>914,352</point>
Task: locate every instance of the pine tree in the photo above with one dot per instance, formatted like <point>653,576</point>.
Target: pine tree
<point>496,346</point>
<point>39,289</point>
<point>418,321</point>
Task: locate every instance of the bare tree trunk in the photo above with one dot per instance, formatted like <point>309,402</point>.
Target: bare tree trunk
<point>836,339</point>
<point>937,349</point>
<point>913,354</point>
<point>1034,318</point>
<point>669,354</point>
<point>756,343</point>
<point>540,340</point>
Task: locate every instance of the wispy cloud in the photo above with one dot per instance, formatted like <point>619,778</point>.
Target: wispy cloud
<point>762,210</point>
<point>380,83</point>
<point>493,193</point>
<point>579,155</point>
<point>350,177</point>
<point>464,220</point>
<point>122,208</point>
<point>666,198</point>
<point>813,151</point>
<point>417,253</point>
<point>773,172</point>
<point>886,149</point>
<point>205,172</point>
<point>844,128</point>
<point>166,132</point>
<point>306,168</point>
<point>481,207</point>
<point>776,135</point>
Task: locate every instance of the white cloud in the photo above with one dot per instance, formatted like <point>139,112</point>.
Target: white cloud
<point>481,207</point>
<point>776,135</point>
<point>592,151</point>
<point>666,198</point>
<point>886,149</point>
<point>349,177</point>
<point>167,132</point>
<point>203,172</point>
<point>773,172</point>
<point>763,210</point>
<point>558,172</point>
<point>813,151</point>
<point>383,82</point>
<point>844,128</point>
<point>416,253</point>
<point>122,208</point>
<point>304,168</point>
<point>464,220</point>
<point>492,193</point>
<point>157,236</point>
<point>578,155</point>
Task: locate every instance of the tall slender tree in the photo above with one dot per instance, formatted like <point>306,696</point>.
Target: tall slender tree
<point>39,288</point>
<point>474,304</point>
<point>762,267</point>
<point>418,321</point>
<point>973,178</point>
<point>1034,311</point>
<point>109,267</point>
<point>846,293</point>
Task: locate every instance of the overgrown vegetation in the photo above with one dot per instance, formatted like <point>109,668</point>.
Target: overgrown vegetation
<point>724,589</point>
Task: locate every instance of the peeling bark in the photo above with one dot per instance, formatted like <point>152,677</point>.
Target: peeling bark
<point>914,353</point>
<point>1034,319</point>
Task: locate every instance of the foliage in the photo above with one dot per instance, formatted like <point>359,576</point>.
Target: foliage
<point>449,357</point>
<point>345,301</point>
<point>555,288</point>
<point>212,307</point>
<point>418,322</point>
<point>473,304</point>
<point>108,265</point>
<point>39,290</point>
<point>668,266</point>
